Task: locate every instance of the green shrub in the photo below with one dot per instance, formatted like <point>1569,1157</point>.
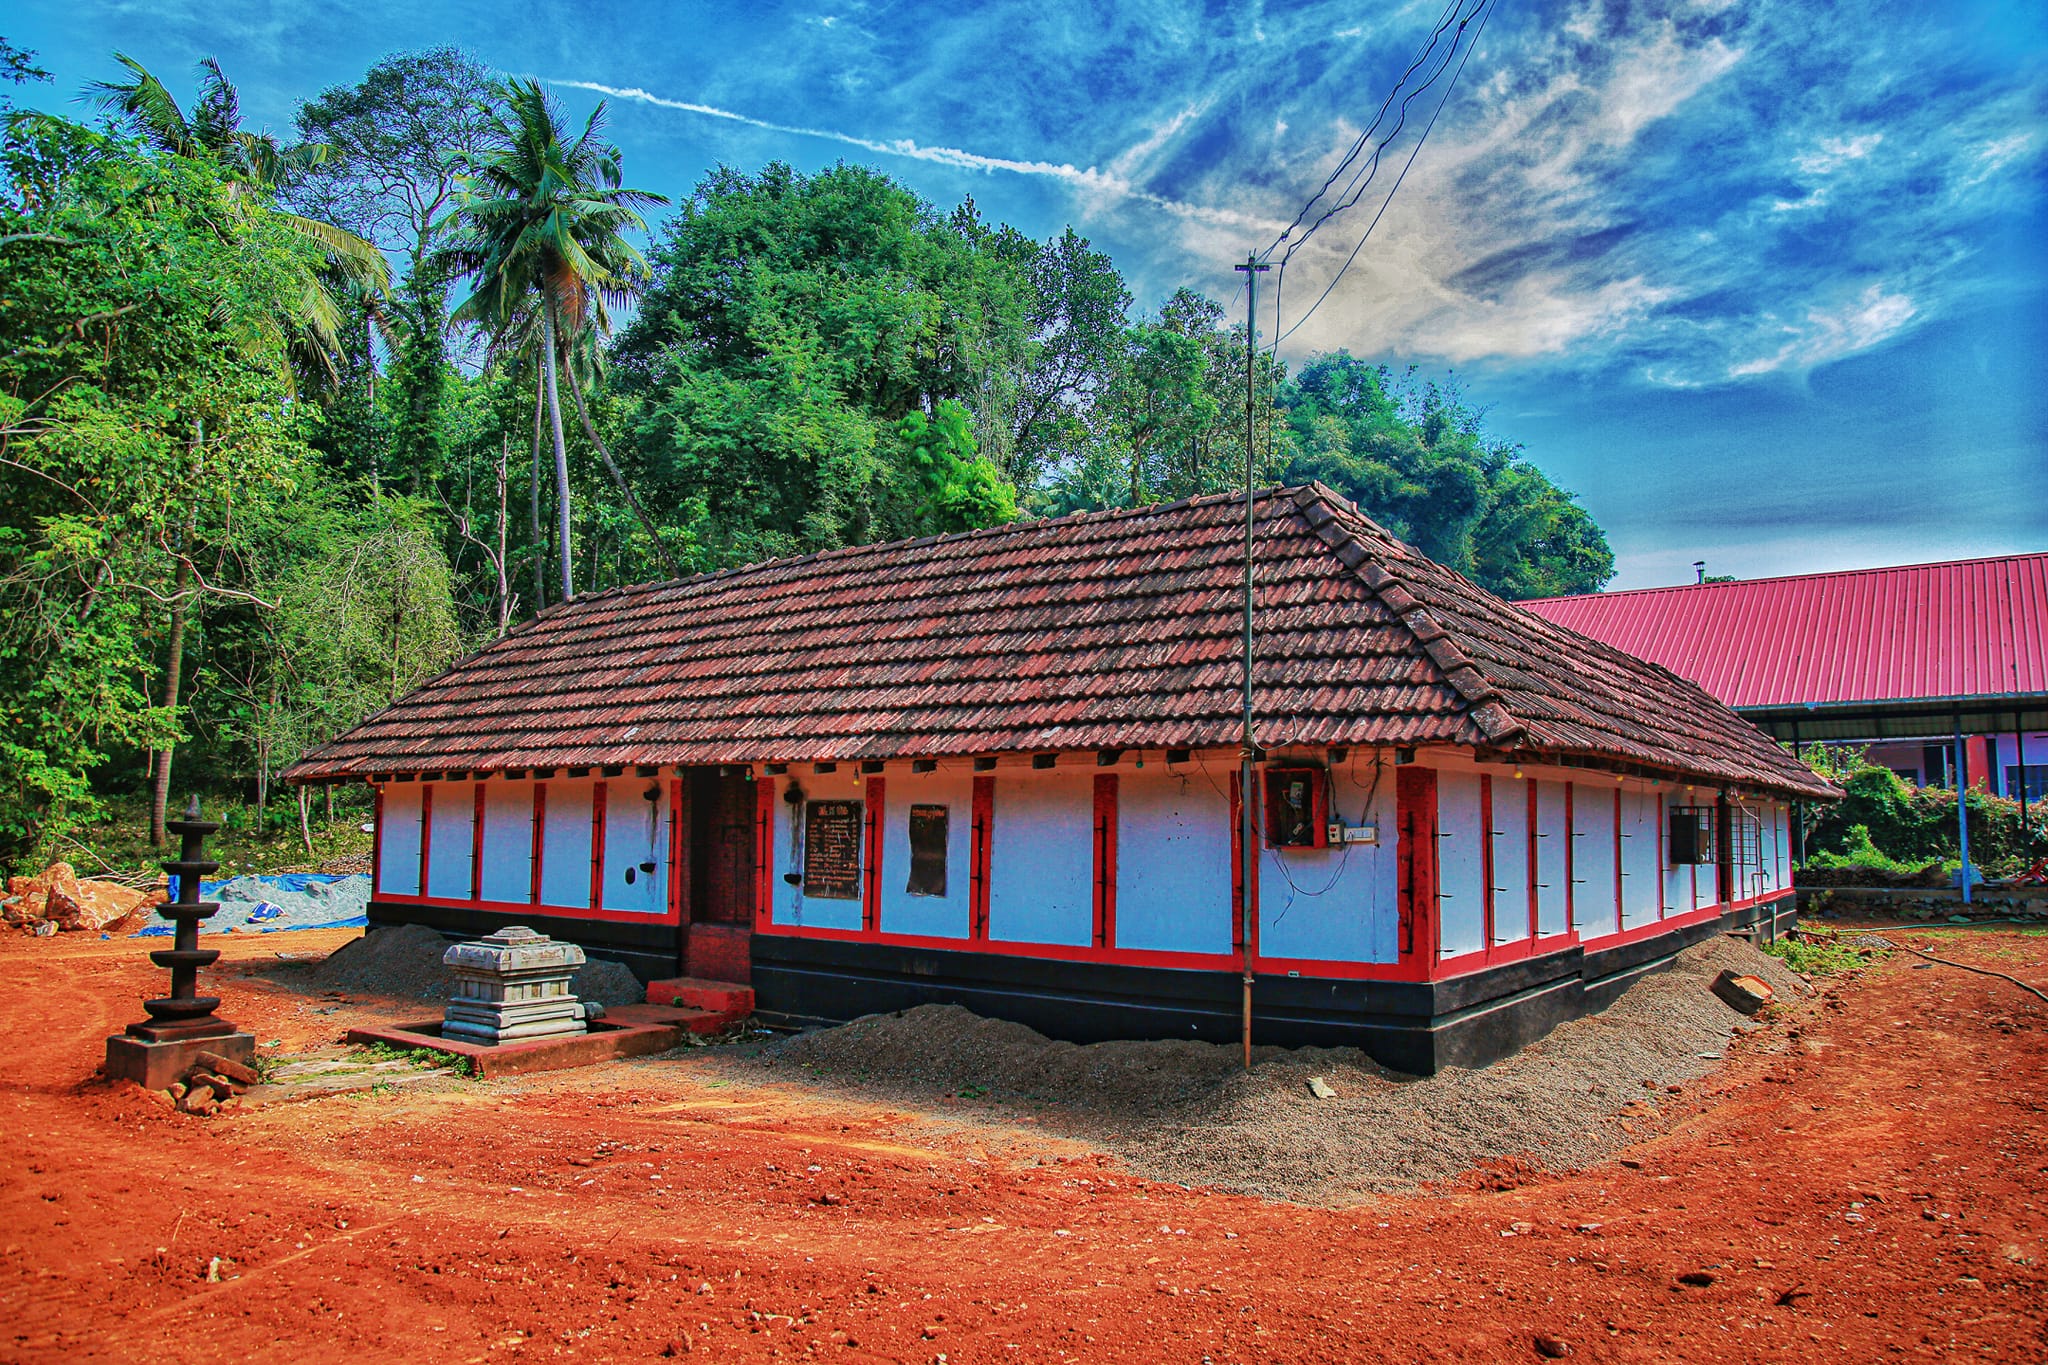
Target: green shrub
<point>1885,820</point>
<point>1823,953</point>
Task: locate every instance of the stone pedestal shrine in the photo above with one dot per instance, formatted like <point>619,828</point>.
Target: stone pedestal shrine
<point>513,987</point>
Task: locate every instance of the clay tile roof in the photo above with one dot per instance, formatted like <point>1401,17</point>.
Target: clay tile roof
<point>1098,630</point>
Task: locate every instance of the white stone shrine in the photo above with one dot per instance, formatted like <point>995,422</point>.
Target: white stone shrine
<point>513,987</point>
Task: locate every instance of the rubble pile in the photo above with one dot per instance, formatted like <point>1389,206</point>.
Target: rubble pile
<point>214,1082</point>
<point>56,900</point>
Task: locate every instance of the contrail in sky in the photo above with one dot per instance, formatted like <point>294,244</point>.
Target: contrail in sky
<point>1090,181</point>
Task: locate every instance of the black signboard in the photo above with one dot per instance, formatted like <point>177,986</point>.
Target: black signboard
<point>832,850</point>
<point>927,851</point>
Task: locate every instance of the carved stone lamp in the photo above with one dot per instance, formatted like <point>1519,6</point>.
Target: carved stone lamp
<point>181,1025</point>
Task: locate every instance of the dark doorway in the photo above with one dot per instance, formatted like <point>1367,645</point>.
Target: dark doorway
<point>718,895</point>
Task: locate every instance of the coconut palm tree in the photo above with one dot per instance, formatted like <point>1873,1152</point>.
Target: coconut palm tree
<point>540,230</point>
<point>255,165</point>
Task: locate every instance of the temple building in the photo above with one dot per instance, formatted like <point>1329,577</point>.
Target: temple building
<point>1001,769</point>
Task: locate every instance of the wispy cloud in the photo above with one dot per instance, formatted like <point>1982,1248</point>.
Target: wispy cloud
<point>1089,182</point>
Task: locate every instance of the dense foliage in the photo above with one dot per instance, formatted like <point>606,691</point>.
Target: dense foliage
<point>288,422</point>
<point>1886,826</point>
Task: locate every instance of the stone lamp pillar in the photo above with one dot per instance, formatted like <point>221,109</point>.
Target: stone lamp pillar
<point>181,1025</point>
<point>513,987</point>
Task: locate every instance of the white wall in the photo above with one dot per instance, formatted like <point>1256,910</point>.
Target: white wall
<point>508,841</point>
<point>449,834</point>
<point>398,841</point>
<point>565,845</point>
<point>785,851</point>
<point>1337,904</point>
<point>1042,858</point>
<point>1173,869</point>
<point>635,831</point>
<point>1593,904</point>
<point>1510,836</point>
<point>1551,838</point>
<point>1461,908</point>
<point>947,916</point>
<point>1677,877</point>
<point>1639,864</point>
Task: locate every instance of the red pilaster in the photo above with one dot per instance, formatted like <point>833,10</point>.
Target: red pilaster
<point>540,837</point>
<point>476,844</point>
<point>675,850</point>
<point>426,833</point>
<point>1487,936</point>
<point>978,856</point>
<point>597,799</point>
<point>377,839</point>
<point>871,878</point>
<point>1105,860</point>
<point>764,828</point>
<point>1534,920</point>
<point>1415,859</point>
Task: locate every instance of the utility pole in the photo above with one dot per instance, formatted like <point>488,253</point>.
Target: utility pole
<point>1248,749</point>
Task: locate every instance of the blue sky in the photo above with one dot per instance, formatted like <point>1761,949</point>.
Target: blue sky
<point>1764,284</point>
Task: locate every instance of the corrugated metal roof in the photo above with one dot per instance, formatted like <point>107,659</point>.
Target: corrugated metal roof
<point>1965,628</point>
<point>1100,630</point>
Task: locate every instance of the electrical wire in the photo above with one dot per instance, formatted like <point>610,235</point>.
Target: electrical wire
<point>1884,942</point>
<point>1484,13</point>
<point>1358,144</point>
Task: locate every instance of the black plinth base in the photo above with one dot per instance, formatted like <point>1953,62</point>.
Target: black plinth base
<point>153,1066</point>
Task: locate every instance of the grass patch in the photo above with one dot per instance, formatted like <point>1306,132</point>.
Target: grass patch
<point>425,1058</point>
<point>1821,952</point>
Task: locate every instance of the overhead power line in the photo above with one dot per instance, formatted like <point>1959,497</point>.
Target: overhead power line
<point>1465,13</point>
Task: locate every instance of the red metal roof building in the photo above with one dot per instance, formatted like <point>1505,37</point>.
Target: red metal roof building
<point>1852,655</point>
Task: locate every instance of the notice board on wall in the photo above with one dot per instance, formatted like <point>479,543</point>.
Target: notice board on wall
<point>927,851</point>
<point>832,837</point>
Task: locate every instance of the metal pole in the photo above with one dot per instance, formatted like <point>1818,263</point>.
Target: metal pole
<point>1248,749</point>
<point>1962,767</point>
<point>2019,739</point>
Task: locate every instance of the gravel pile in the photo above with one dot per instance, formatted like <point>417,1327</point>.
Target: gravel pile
<point>405,963</point>
<point>1187,1112</point>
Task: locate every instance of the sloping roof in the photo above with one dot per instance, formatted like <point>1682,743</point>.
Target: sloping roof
<point>1099,630</point>
<point>1967,628</point>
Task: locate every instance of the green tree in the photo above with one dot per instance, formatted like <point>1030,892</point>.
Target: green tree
<point>794,324</point>
<point>17,68</point>
<point>399,140</point>
<point>541,231</point>
<point>1417,460</point>
<point>253,166</point>
<point>144,383</point>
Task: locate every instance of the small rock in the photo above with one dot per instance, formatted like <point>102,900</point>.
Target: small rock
<point>1632,1163</point>
<point>1320,1088</point>
<point>1550,1348</point>
<point>1698,1279</point>
<point>230,1068</point>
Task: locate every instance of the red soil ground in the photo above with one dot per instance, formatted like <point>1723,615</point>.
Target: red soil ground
<point>1862,1181</point>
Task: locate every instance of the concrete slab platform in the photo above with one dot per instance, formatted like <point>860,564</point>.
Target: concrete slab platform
<point>605,1040</point>
<point>698,993</point>
<point>698,1021</point>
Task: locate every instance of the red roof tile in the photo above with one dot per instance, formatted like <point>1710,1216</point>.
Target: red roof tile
<point>1969,628</point>
<point>1099,630</point>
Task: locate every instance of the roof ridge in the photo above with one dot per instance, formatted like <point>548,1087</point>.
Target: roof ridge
<point>1325,510</point>
<point>1604,594</point>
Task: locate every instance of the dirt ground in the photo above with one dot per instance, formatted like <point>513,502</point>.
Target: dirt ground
<point>1861,1180</point>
